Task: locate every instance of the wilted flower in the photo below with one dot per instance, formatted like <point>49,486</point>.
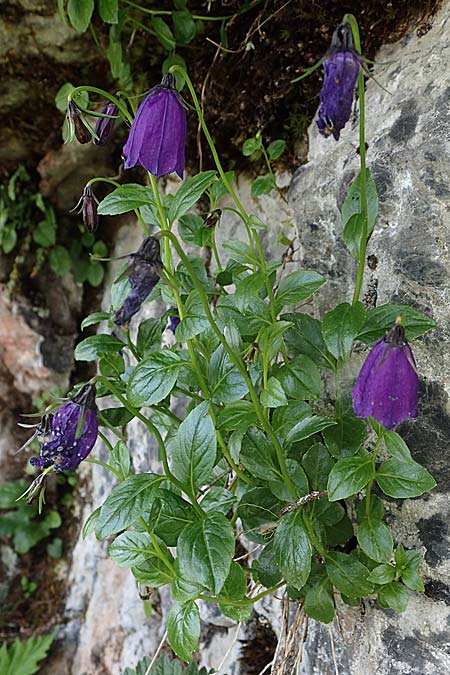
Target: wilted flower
<point>341,69</point>
<point>158,134</point>
<point>387,385</point>
<point>105,125</point>
<point>87,205</point>
<point>144,269</point>
<point>72,433</point>
<point>75,120</point>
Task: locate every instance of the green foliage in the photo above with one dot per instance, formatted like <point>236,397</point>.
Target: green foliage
<point>22,656</point>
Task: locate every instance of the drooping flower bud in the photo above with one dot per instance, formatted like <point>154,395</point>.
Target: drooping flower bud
<point>157,136</point>
<point>87,206</point>
<point>105,125</point>
<point>387,385</point>
<point>144,270</point>
<point>74,429</point>
<point>75,119</point>
<point>341,70</point>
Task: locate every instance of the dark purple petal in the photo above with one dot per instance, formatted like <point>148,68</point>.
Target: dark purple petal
<point>89,210</point>
<point>158,134</point>
<point>387,385</point>
<point>143,279</point>
<point>105,125</point>
<point>82,133</point>
<point>173,323</point>
<point>336,98</point>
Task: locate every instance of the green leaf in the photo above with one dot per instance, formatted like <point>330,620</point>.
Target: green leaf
<point>125,198</point>
<point>194,321</point>
<point>170,515</point>
<point>382,574</point>
<point>258,455</point>
<point>319,601</point>
<point>95,345</point>
<point>306,338</point>
<point>375,539</point>
<point>292,549</point>
<point>91,523</point>
<point>175,60</point>
<point>9,240</point>
<point>340,326</point>
<point>297,476</point>
<point>193,231</point>
<point>183,629</point>
<point>131,548</point>
<point>237,415</point>
<point>218,499</point>
<point>380,320</point>
<point>126,503</point>
<point>163,33</point>
<point>352,201</point>
<point>273,395</point>
<point>60,261</point>
<point>340,533</point>
<point>317,464</point>
<point>149,336</point>
<point>184,27</point>
<point>226,383</point>
<point>120,458</point>
<point>300,379</point>
<point>194,450</point>
<point>348,477</point>
<point>240,252</point>
<point>44,233</point>
<point>153,378</point>
<point>268,571</point>
<point>413,580</point>
<point>396,446</point>
<point>189,193</point>
<point>22,656</point>
<point>345,437</point>
<point>182,590</point>
<point>80,12</point>
<point>263,185</point>
<point>153,572</point>
<point>259,511</point>
<point>55,548</point>
<point>234,589</point>
<point>404,479</point>
<point>353,231</point>
<point>348,575</point>
<point>393,596</point>
<point>95,273</point>
<point>297,287</point>
<point>218,189</point>
<point>116,417</point>
<point>276,149</point>
<point>306,427</point>
<point>95,317</point>
<point>205,551</point>
<point>109,10</point>
<point>250,146</point>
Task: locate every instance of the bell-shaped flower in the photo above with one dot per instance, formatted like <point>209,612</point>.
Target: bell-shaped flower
<point>77,123</point>
<point>72,434</point>
<point>387,385</point>
<point>341,70</point>
<point>157,136</point>
<point>87,206</point>
<point>144,269</point>
<point>105,125</point>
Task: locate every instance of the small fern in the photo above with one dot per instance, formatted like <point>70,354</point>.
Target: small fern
<point>22,656</point>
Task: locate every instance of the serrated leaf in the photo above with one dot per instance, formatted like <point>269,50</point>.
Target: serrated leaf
<point>22,656</point>
<point>306,338</point>
<point>95,317</point>
<point>345,437</point>
<point>340,326</point>
<point>292,549</point>
<point>348,575</point>
<point>273,396</point>
<point>183,629</point>
<point>240,252</point>
<point>393,596</point>
<point>263,185</point>
<point>306,427</point>
<point>297,287</point>
<point>319,601</point>
<point>225,381</point>
<point>91,523</point>
<point>348,477</point>
<point>258,455</point>
<point>125,198</point>
<point>170,515</point>
<point>131,548</point>
<point>194,321</point>
<point>194,449</point>
<point>154,378</point>
<point>380,320</point>
<point>189,193</point>
<point>95,345</point>
<point>382,574</point>
<point>396,446</point>
<point>120,458</point>
<point>404,479</point>
<point>301,379</point>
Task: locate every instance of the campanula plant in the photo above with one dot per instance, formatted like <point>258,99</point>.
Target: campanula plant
<point>263,453</point>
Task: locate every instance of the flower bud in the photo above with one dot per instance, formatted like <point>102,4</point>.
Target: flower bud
<point>105,125</point>
<point>82,133</point>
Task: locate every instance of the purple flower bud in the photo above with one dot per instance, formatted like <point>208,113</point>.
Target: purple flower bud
<point>105,125</point>
<point>87,205</point>
<point>158,134</point>
<point>74,429</point>
<point>387,385</point>
<point>173,323</point>
<point>144,270</point>
<point>341,69</point>
<point>82,133</point>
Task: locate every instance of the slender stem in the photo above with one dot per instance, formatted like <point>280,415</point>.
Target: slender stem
<point>101,92</point>
<point>118,475</point>
<point>312,536</point>
<point>370,483</point>
<point>164,223</point>
<point>197,17</point>
<point>236,360</point>
<point>161,555</point>
<point>246,601</point>
<point>111,181</point>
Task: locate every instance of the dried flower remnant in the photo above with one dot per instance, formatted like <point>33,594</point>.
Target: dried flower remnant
<point>341,70</point>
<point>144,270</point>
<point>76,124</point>
<point>87,206</point>
<point>104,125</point>
<point>157,136</point>
<point>387,385</point>
<point>73,432</point>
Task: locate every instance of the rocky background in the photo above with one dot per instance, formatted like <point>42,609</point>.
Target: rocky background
<point>102,627</point>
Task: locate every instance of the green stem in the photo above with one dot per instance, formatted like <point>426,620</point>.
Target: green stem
<point>370,483</point>
<point>161,555</point>
<point>101,92</point>
<point>236,360</point>
<point>118,475</point>
<point>312,536</point>
<point>111,181</point>
<point>246,601</point>
<point>164,223</point>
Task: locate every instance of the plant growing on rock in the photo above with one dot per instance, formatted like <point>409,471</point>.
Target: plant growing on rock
<point>262,453</point>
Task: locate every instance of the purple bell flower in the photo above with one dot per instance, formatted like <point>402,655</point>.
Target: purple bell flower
<point>387,385</point>
<point>157,136</point>
<point>144,270</point>
<point>341,68</point>
<point>105,125</point>
<point>75,120</point>
<point>87,206</point>
<point>73,432</point>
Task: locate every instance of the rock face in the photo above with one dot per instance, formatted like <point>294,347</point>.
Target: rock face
<point>408,136</point>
